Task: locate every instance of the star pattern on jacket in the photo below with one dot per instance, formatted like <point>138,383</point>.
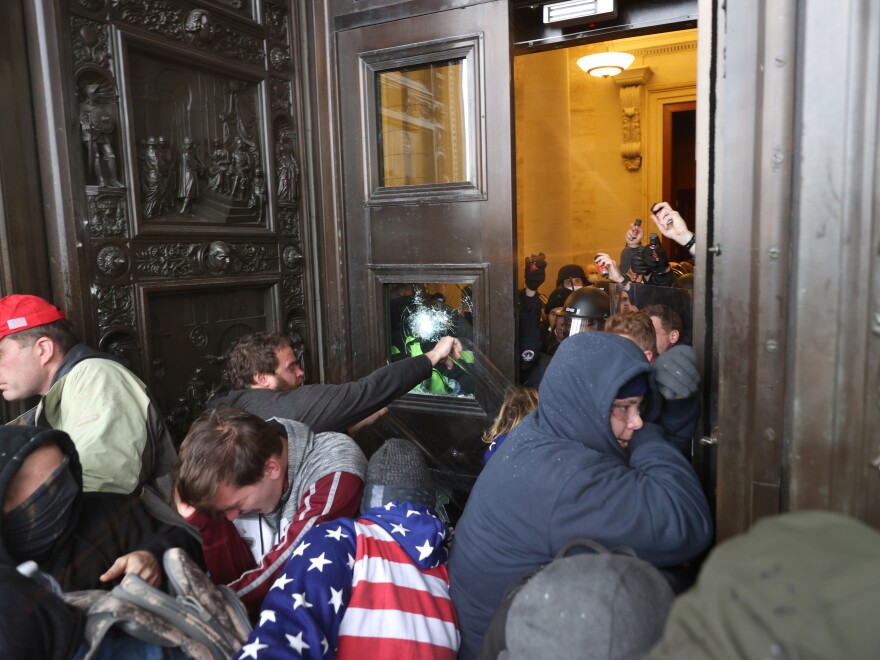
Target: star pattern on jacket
<point>336,534</point>
<point>319,562</point>
<point>281,582</point>
<point>253,649</point>
<point>303,612</point>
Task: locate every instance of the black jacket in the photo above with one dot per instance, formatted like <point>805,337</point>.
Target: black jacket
<point>332,407</point>
<point>102,526</point>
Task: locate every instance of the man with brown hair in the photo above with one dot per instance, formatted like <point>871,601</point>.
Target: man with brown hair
<point>667,325</point>
<point>107,411</point>
<point>267,380</point>
<point>253,488</point>
<point>636,326</point>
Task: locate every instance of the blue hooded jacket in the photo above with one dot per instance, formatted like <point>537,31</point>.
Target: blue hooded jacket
<point>562,475</point>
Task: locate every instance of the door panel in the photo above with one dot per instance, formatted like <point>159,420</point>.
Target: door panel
<point>414,93</point>
<point>172,159</point>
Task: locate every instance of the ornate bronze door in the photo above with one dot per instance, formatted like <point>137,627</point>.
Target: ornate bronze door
<point>425,112</point>
<point>171,157</point>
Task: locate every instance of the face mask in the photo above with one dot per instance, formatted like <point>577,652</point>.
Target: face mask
<point>34,525</point>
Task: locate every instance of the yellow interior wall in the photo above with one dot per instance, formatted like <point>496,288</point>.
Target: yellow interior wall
<point>575,196</point>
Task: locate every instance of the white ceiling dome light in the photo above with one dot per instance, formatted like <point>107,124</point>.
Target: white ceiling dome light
<point>603,65</point>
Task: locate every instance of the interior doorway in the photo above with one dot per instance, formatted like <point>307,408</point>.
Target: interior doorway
<point>593,154</point>
<point>680,166</point>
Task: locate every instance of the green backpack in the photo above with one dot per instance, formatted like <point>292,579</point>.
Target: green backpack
<point>200,619</point>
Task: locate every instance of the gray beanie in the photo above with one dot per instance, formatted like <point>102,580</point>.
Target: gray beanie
<point>588,606</point>
<point>397,472</point>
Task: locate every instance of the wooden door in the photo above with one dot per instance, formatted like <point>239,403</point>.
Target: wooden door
<point>425,121</point>
<point>172,174</point>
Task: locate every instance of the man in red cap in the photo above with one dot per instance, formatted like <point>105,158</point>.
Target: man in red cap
<point>106,410</point>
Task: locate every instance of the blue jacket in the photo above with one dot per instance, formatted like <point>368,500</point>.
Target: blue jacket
<point>562,475</point>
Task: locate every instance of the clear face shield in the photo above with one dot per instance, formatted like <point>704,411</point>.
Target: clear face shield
<point>572,326</point>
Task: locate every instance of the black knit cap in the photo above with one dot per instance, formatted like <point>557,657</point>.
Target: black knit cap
<point>397,471</point>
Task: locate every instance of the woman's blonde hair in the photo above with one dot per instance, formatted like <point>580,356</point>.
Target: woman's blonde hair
<point>518,403</point>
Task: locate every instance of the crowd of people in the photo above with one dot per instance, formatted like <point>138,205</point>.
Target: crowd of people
<point>581,537</point>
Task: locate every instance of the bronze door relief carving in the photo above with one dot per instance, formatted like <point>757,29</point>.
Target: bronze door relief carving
<point>190,180</point>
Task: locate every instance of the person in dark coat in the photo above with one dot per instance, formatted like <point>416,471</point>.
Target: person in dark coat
<point>83,540</point>
<point>582,465</point>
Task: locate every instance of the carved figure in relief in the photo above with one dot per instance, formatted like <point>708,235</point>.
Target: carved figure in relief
<point>166,170</point>
<point>258,193</point>
<point>219,257</point>
<point>98,126</point>
<point>288,173</point>
<point>188,177</point>
<point>218,180</point>
<point>151,179</point>
<point>241,170</point>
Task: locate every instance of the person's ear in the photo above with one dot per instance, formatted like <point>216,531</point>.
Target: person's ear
<point>45,349</point>
<point>674,336</point>
<point>650,356</point>
<point>262,379</point>
<point>272,468</point>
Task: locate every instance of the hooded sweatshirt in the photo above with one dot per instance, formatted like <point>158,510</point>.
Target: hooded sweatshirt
<point>562,475</point>
<point>100,527</point>
<point>375,587</point>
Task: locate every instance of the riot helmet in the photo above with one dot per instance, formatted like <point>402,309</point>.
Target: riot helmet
<point>585,309</point>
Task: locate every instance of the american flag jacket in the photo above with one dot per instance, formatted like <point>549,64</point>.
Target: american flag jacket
<point>375,587</point>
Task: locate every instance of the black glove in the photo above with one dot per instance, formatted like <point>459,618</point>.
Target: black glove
<point>676,372</point>
<point>638,264</point>
<point>536,271</point>
<point>655,256</point>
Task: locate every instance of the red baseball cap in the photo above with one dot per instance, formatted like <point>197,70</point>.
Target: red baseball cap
<point>21,312</point>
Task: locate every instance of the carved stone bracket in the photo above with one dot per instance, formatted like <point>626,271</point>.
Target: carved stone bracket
<point>90,42</point>
<point>197,259</point>
<point>631,82</point>
<point>107,214</point>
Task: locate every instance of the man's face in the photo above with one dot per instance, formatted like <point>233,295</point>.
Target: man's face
<point>665,339</point>
<point>556,323</point>
<point>625,304</point>
<point>573,283</point>
<point>575,326</point>
<point>261,497</point>
<point>21,373</point>
<point>288,374</point>
<point>625,419</point>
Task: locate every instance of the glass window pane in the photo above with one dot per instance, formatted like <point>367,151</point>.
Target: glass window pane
<point>418,316</point>
<point>423,128</point>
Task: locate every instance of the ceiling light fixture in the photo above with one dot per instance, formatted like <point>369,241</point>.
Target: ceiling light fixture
<point>603,65</point>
